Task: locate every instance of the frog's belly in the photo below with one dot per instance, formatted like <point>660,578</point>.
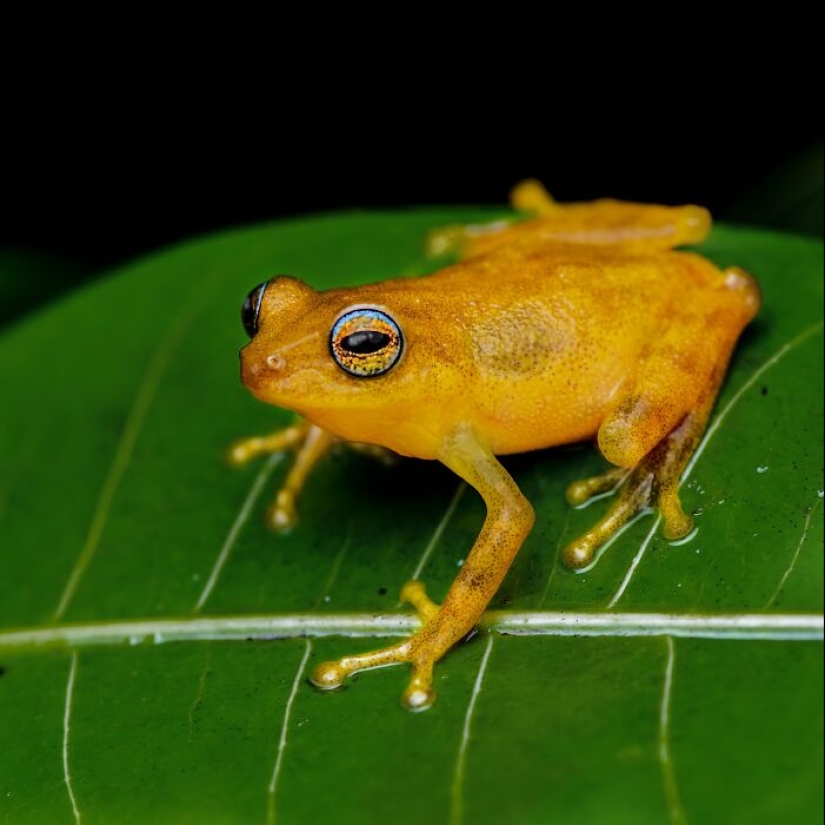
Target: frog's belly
<point>542,426</point>
<point>519,416</point>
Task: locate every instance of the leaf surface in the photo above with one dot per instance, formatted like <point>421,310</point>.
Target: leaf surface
<point>116,507</point>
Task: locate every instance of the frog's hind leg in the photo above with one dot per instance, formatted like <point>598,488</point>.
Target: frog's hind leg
<point>659,420</point>
<point>602,222</point>
<point>654,482</point>
<point>468,240</point>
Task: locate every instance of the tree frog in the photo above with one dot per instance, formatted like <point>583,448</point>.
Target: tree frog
<point>580,322</point>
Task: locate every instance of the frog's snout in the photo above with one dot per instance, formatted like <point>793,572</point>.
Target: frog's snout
<point>250,369</point>
<point>257,368</point>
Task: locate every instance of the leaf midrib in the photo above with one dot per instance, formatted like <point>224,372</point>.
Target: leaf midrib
<point>790,626</point>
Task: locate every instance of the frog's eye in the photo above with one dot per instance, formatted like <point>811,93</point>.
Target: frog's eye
<point>251,310</point>
<point>366,342</point>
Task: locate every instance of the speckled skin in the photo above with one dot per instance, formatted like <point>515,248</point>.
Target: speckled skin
<point>579,324</point>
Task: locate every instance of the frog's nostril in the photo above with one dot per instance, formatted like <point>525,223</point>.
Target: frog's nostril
<point>276,362</point>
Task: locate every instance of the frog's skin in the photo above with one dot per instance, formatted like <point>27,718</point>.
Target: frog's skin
<point>581,323</point>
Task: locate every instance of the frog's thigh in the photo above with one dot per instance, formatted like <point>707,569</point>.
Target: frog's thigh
<point>638,433</point>
<point>671,378</point>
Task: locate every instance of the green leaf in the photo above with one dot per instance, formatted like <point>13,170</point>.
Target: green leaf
<point>692,692</point>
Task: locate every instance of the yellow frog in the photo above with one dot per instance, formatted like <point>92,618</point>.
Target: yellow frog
<point>579,323</point>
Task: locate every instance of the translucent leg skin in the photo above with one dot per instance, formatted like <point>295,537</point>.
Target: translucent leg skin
<point>580,492</point>
<point>283,515</point>
<point>598,222</point>
<point>509,519</point>
<point>242,452</point>
<point>311,443</point>
<point>654,483</point>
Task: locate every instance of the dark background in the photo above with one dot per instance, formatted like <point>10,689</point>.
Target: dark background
<point>76,203</point>
<point>105,209</point>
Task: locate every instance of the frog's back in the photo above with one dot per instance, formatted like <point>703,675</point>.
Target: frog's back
<point>547,333</point>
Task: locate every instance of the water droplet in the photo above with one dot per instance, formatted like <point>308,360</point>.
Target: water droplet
<point>763,469</point>
<point>326,598</point>
<point>821,493</point>
<point>460,563</point>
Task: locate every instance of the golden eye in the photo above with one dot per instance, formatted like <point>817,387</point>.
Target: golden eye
<point>366,342</point>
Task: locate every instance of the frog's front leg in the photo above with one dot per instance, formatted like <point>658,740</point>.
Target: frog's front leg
<point>311,443</point>
<point>509,520</point>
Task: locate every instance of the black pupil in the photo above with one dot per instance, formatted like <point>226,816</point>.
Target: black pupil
<point>251,310</point>
<point>365,342</point>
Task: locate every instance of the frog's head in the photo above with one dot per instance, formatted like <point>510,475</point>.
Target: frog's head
<point>339,357</point>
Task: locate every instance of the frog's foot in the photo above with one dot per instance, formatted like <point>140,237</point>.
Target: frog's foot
<point>581,492</point>
<point>244,451</point>
<point>419,694</point>
<point>531,196</point>
<point>311,444</point>
<point>653,483</point>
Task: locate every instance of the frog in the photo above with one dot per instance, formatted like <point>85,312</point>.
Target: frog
<point>567,323</point>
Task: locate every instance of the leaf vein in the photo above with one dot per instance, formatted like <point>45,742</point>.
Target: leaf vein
<point>67,721</point>
<point>272,789</point>
<point>676,811</point>
<point>135,420</point>
<point>235,531</point>
<point>791,626</point>
<point>805,531</point>
<point>439,530</point>
<point>457,790</point>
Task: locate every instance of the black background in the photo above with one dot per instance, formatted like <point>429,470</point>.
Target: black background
<point>106,205</point>
<point>108,154</point>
